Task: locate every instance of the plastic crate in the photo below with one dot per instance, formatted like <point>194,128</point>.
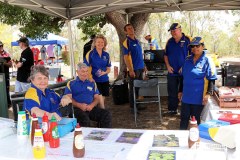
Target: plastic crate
<point>235,104</point>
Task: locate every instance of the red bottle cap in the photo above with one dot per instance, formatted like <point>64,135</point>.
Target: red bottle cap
<point>34,115</point>
<point>45,115</point>
<point>193,118</point>
<point>38,127</point>
<point>78,126</point>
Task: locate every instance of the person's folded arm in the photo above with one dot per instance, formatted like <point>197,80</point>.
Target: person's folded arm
<point>39,113</point>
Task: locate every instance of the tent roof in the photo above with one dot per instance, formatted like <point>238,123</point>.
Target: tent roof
<point>51,39</point>
<point>74,9</point>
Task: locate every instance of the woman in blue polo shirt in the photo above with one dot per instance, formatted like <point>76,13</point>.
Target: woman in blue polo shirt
<point>99,66</point>
<point>39,99</point>
<point>196,87</point>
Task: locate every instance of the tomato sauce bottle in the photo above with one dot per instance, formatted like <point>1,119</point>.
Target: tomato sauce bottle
<point>54,141</point>
<point>45,128</point>
<point>78,143</point>
<point>193,133</point>
<point>33,127</point>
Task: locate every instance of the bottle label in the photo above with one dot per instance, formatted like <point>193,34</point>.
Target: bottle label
<point>55,134</point>
<point>44,127</point>
<point>79,144</point>
<point>38,142</point>
<point>194,133</point>
<point>24,125</point>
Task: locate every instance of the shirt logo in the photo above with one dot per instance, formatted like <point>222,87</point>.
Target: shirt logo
<point>104,58</point>
<point>182,44</point>
<point>135,45</point>
<point>89,88</point>
<point>54,102</point>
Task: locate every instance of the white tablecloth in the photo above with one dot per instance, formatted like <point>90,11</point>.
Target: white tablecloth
<point>12,148</point>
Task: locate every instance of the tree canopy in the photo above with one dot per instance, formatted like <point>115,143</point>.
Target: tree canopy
<point>32,24</point>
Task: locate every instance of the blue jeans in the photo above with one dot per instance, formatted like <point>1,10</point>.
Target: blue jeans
<point>173,86</point>
<point>188,110</point>
<point>21,86</point>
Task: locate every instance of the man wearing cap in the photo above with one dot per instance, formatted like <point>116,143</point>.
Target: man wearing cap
<point>133,58</point>
<point>153,42</point>
<point>87,46</point>
<point>23,66</point>
<point>5,55</point>
<point>175,52</point>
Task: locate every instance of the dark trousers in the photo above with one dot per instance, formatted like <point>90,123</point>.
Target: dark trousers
<point>188,110</point>
<point>8,93</point>
<point>173,86</point>
<point>138,76</point>
<point>102,116</point>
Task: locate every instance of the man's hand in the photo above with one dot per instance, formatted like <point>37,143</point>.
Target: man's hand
<point>205,99</point>
<point>90,107</point>
<point>91,79</point>
<point>58,118</point>
<point>132,74</point>
<point>82,106</point>
<point>170,69</point>
<point>65,101</point>
<point>180,96</point>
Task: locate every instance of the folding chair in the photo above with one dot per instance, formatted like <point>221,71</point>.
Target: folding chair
<point>143,84</point>
<point>67,111</point>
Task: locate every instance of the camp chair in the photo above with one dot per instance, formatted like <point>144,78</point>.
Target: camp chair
<point>67,111</point>
<point>143,84</point>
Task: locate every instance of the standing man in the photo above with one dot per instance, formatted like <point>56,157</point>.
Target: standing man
<point>176,51</point>
<point>7,65</point>
<point>87,46</point>
<point>133,58</point>
<point>24,66</point>
<point>153,42</point>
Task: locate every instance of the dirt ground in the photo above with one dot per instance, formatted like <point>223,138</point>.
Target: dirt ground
<point>122,118</point>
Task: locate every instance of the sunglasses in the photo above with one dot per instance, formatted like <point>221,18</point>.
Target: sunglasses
<point>1,45</point>
<point>192,46</point>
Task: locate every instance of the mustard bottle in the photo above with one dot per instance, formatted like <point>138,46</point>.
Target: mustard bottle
<point>38,145</point>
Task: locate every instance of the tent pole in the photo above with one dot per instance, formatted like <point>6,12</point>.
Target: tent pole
<point>12,58</point>
<point>72,62</point>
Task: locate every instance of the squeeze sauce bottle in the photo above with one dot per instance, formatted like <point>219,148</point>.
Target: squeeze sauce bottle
<point>54,135</point>
<point>33,126</point>
<point>45,128</point>
<point>38,147</point>
<point>193,133</point>
<point>78,144</point>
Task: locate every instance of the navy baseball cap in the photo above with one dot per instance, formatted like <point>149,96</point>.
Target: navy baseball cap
<point>23,39</point>
<point>197,41</point>
<point>175,26</point>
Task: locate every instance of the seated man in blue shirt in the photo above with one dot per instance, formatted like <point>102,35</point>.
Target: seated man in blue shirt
<point>40,99</point>
<point>85,98</point>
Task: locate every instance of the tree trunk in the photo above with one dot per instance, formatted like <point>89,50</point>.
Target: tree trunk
<point>119,21</point>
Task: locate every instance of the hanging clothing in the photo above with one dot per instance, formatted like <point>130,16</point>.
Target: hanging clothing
<point>50,51</point>
<point>43,51</point>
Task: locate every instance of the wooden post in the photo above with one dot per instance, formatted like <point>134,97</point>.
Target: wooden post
<point>115,72</point>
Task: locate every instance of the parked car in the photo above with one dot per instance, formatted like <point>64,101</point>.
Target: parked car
<point>214,56</point>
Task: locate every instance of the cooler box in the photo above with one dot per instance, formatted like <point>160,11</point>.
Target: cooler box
<point>65,126</point>
<point>120,93</point>
<point>203,128</point>
<point>230,117</point>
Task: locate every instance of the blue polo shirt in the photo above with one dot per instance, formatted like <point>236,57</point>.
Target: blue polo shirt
<point>82,92</point>
<point>95,62</point>
<point>153,40</point>
<point>49,102</point>
<point>195,78</point>
<point>177,52</point>
<point>134,50</point>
